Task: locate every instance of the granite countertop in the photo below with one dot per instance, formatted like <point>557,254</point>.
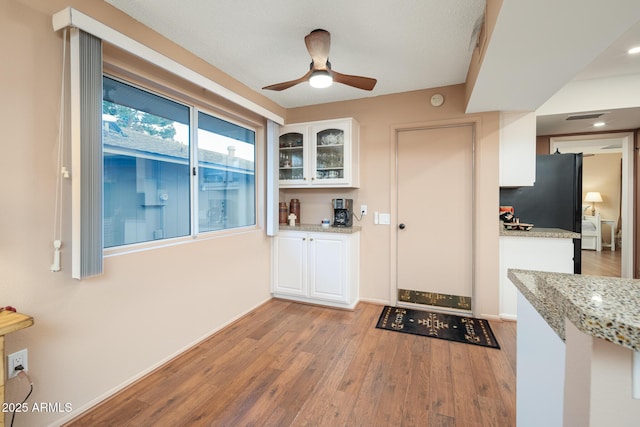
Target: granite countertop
<point>556,233</point>
<point>603,307</point>
<point>317,228</point>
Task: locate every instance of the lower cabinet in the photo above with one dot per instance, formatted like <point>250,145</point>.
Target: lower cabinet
<point>321,268</point>
<point>530,253</point>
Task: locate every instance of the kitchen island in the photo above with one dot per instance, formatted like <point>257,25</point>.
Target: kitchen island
<point>578,338</point>
<point>542,249</point>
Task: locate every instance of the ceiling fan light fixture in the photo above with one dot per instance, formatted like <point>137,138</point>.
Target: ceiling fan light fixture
<point>320,74</point>
<point>634,50</point>
<point>320,79</point>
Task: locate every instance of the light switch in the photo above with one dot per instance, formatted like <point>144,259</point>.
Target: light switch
<point>385,218</point>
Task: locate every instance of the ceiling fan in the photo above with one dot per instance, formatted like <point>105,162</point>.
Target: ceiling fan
<point>320,74</point>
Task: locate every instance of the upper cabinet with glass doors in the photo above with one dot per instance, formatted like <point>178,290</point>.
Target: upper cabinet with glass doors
<point>320,154</point>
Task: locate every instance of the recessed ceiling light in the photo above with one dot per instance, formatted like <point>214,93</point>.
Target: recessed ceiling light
<point>634,50</point>
<point>598,124</point>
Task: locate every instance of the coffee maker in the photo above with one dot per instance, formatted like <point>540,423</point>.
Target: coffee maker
<point>342,212</point>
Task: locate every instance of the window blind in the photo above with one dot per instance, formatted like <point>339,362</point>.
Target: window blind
<point>86,143</point>
<point>273,131</point>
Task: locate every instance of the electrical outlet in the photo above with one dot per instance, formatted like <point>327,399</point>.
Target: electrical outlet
<point>16,359</point>
<point>363,210</point>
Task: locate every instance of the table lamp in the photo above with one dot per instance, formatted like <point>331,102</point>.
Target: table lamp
<point>593,197</point>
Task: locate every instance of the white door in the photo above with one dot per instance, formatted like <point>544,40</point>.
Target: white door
<point>327,264</point>
<point>291,264</point>
<point>435,216</point>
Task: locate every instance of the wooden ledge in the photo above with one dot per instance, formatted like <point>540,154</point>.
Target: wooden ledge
<point>11,322</point>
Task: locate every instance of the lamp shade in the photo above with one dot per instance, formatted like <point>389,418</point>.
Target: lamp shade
<point>593,196</point>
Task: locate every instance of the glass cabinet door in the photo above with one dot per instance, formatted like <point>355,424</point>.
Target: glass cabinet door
<point>330,154</point>
<point>291,156</point>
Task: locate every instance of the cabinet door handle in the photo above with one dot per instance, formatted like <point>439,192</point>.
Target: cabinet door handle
<point>304,238</point>
<point>311,239</point>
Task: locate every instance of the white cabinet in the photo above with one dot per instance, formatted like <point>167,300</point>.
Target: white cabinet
<point>320,154</point>
<point>517,149</point>
<point>321,268</point>
<point>530,253</point>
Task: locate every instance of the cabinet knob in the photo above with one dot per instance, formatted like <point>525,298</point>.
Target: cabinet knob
<point>304,238</point>
<point>401,226</point>
<point>311,239</point>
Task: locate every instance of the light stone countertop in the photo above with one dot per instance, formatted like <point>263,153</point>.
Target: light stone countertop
<point>554,233</point>
<point>317,228</point>
<point>603,307</point>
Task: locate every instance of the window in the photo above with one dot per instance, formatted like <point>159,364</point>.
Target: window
<point>226,179</point>
<point>149,150</point>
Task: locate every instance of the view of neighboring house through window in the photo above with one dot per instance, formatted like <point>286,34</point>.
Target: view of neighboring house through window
<point>147,163</point>
<point>226,179</point>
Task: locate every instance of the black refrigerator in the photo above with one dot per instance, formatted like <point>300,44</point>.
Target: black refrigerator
<point>555,201</point>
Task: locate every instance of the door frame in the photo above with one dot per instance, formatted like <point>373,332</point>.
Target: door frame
<point>628,187</point>
<point>474,122</point>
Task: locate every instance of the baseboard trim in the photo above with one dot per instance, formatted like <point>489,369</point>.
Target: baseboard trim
<point>376,301</point>
<point>108,394</point>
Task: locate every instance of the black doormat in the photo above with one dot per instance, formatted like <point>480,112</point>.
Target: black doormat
<point>438,325</point>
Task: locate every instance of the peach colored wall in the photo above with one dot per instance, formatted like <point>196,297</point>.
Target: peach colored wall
<point>151,305</point>
<point>542,144</point>
<point>92,337</point>
<point>378,116</point>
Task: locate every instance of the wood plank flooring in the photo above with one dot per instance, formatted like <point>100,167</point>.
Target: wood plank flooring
<point>290,364</point>
<point>603,263</point>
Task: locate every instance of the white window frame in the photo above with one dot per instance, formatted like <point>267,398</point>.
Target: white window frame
<point>195,233</point>
<point>72,18</point>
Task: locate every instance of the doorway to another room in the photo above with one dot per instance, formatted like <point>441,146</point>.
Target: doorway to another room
<point>607,236</point>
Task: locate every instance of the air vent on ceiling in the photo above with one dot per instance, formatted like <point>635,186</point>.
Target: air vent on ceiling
<point>584,116</point>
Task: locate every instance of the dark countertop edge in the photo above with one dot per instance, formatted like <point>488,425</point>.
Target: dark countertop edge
<point>317,228</point>
<point>549,233</point>
<point>560,296</point>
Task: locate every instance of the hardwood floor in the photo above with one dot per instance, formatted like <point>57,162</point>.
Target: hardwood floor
<point>603,263</point>
<point>290,364</point>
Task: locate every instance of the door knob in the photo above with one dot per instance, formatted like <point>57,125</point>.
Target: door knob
<point>401,226</point>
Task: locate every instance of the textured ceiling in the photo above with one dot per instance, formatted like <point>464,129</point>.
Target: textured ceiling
<point>405,44</point>
<point>410,45</point>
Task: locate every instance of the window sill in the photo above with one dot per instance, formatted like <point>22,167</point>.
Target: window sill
<point>209,235</point>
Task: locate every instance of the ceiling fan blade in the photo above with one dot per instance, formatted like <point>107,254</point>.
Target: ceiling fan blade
<point>365,83</point>
<point>318,44</point>
<point>287,85</point>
